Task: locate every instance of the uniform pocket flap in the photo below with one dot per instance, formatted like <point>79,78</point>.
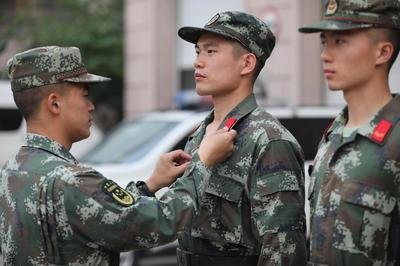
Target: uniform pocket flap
<point>368,196</point>
<point>225,187</point>
<point>277,182</point>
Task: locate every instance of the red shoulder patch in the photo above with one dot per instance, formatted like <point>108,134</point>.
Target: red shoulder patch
<point>230,122</point>
<point>381,130</point>
<point>327,129</point>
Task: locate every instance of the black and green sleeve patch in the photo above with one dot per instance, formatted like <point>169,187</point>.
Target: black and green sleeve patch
<point>118,194</point>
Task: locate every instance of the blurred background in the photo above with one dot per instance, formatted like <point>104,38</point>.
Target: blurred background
<point>150,106</point>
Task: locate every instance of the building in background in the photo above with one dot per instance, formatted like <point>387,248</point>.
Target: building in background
<point>158,65</point>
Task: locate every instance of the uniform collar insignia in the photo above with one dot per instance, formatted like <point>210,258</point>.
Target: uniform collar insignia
<point>230,122</point>
<point>327,130</point>
<point>381,130</point>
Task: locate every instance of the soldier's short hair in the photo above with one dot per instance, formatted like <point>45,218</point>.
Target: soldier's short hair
<point>394,38</point>
<point>239,50</point>
<point>28,101</point>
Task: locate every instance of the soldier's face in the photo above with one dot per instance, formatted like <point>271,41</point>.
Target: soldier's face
<point>77,112</point>
<point>217,70</point>
<point>348,59</point>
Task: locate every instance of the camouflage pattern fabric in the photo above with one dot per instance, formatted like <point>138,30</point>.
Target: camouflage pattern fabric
<point>48,65</point>
<point>54,210</point>
<point>354,193</point>
<point>253,33</point>
<point>254,202</point>
<point>355,14</point>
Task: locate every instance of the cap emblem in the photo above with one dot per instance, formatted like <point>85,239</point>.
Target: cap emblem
<point>332,7</point>
<point>213,20</point>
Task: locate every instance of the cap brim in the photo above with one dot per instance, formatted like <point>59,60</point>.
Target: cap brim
<point>332,25</point>
<point>88,78</point>
<point>192,34</point>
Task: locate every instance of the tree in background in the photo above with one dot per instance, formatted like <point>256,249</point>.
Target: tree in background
<point>96,27</point>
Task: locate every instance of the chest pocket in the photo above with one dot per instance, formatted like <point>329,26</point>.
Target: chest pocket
<point>220,217</point>
<point>225,188</point>
<point>363,220</point>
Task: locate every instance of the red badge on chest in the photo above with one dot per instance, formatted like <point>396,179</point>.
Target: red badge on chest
<point>381,130</point>
<point>230,122</point>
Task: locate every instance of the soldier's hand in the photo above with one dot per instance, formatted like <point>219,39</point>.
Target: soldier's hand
<point>216,147</point>
<point>168,168</point>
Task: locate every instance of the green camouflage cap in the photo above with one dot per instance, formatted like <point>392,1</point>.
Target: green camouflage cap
<point>356,14</point>
<point>253,33</point>
<point>48,65</point>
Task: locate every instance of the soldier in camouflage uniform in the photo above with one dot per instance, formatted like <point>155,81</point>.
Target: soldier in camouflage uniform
<point>253,209</point>
<point>53,210</point>
<point>355,183</point>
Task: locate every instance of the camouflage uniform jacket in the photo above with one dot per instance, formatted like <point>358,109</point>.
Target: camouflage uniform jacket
<point>354,193</point>
<point>254,202</point>
<point>54,210</point>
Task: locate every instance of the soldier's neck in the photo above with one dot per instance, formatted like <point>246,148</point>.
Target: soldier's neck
<point>223,104</point>
<point>363,104</point>
<point>48,131</point>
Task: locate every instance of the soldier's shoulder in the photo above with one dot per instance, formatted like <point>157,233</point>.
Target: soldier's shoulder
<point>51,166</point>
<point>263,122</point>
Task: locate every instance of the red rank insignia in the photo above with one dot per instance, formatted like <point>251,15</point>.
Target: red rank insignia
<point>381,130</point>
<point>327,128</point>
<point>230,122</point>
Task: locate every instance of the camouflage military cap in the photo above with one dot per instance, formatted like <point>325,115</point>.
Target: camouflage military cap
<point>253,33</point>
<point>355,14</point>
<point>48,65</point>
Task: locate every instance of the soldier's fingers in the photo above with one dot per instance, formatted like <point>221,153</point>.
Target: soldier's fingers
<point>181,168</point>
<point>185,156</point>
<point>222,130</point>
<point>174,153</point>
<point>232,133</point>
<point>182,160</point>
<point>179,155</point>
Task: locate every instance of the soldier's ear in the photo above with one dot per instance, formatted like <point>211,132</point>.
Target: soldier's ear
<point>249,63</point>
<point>384,52</point>
<point>53,103</point>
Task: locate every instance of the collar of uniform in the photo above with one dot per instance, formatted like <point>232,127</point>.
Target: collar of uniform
<point>337,124</point>
<point>241,110</point>
<point>202,127</point>
<point>45,143</point>
<point>390,112</point>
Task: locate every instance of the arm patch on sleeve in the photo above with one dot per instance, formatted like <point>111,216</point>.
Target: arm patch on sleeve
<point>118,194</point>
